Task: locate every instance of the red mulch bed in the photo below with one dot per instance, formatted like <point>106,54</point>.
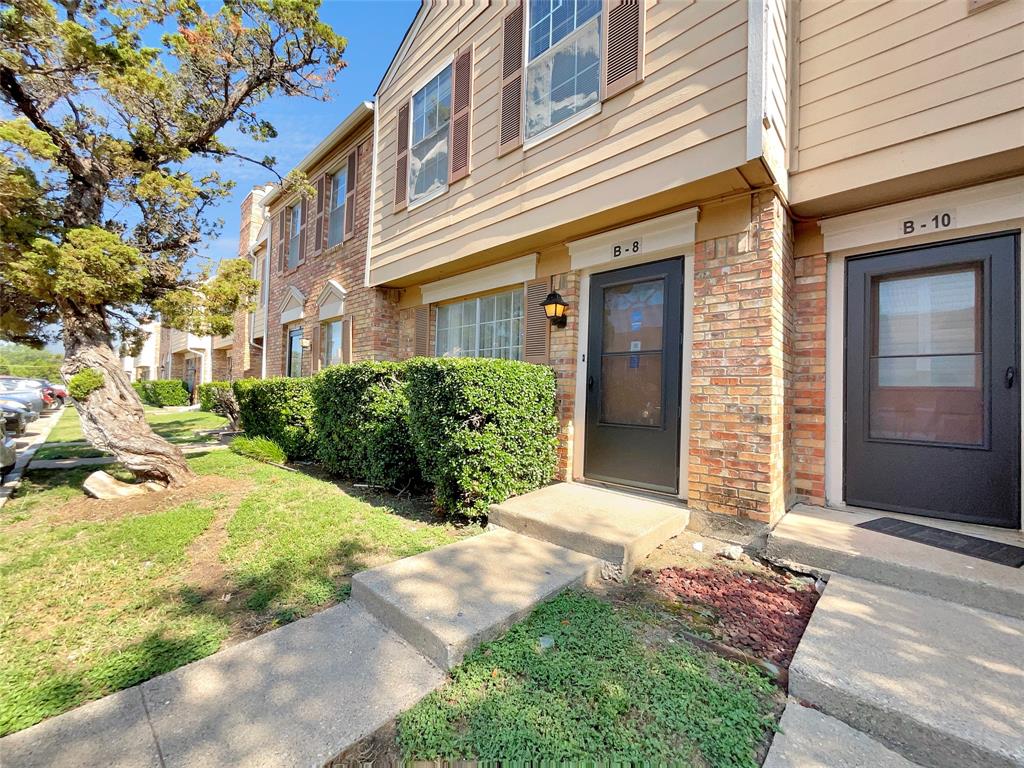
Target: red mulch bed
<point>763,616</point>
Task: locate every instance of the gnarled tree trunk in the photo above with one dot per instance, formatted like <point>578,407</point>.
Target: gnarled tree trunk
<point>112,416</point>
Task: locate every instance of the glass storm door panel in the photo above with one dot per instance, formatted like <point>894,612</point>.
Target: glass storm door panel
<point>633,377</point>
<point>932,399</point>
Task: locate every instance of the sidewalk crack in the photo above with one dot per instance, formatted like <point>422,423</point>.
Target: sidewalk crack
<point>152,730</point>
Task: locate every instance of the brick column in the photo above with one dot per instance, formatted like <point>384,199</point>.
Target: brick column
<point>562,358</point>
<point>808,391</point>
<point>741,358</point>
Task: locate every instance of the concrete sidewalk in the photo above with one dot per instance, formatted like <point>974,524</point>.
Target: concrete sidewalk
<point>34,438</point>
<point>76,462</point>
<point>296,696</point>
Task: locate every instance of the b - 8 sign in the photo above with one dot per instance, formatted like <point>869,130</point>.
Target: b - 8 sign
<point>632,247</point>
<point>930,222</point>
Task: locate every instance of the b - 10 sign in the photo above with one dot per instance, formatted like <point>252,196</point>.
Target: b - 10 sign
<point>936,221</point>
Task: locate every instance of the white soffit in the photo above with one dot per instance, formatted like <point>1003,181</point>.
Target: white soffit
<point>971,207</point>
<point>495,276</point>
<point>661,238</point>
<point>331,301</point>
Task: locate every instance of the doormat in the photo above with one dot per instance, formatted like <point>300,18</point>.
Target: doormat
<point>961,543</point>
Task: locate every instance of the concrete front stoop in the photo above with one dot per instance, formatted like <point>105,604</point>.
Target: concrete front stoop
<point>824,540</point>
<point>447,601</point>
<point>938,683</point>
<point>617,527</point>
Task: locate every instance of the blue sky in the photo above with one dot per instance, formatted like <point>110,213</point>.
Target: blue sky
<point>374,30</point>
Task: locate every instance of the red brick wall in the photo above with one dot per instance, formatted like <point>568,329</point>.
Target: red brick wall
<point>563,349</point>
<point>372,311</point>
<point>220,365</point>
<point>808,390</point>
<point>737,451</point>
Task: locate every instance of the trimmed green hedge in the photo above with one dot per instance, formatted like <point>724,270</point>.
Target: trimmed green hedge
<point>483,430</point>
<point>361,414</point>
<point>280,409</point>
<point>206,401</point>
<point>162,392</point>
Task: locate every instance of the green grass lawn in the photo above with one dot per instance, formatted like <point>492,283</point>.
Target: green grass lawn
<point>178,427</point>
<point>614,687</point>
<point>97,596</point>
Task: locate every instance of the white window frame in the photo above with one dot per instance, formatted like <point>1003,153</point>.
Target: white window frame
<point>323,361</point>
<point>294,236</point>
<point>302,352</point>
<point>584,114</point>
<point>335,206</point>
<point>476,325</point>
<point>411,204</point>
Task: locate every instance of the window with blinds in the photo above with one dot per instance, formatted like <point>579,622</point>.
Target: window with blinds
<point>489,326</point>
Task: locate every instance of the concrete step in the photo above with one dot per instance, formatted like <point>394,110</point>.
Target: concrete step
<point>447,601</point>
<point>808,738</point>
<point>940,683</point>
<point>614,526</point>
<point>828,540</point>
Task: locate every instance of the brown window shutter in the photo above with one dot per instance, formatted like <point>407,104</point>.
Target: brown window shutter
<point>314,350</point>
<point>510,125</point>
<point>303,228</point>
<point>346,340</point>
<point>282,238</point>
<point>350,196</point>
<point>318,229</point>
<point>328,206</point>
<point>623,65</point>
<point>402,157</point>
<point>421,344</point>
<point>537,330</point>
<point>462,99</point>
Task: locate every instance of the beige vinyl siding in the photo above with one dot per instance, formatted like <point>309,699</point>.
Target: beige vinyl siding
<point>776,79</point>
<point>920,78</point>
<point>684,122</point>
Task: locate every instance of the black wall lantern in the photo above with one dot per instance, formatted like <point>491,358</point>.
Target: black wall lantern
<point>554,307</point>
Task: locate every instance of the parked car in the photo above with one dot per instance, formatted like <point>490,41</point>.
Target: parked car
<point>60,392</point>
<point>8,450</point>
<point>17,416</point>
<point>33,398</point>
<point>54,395</point>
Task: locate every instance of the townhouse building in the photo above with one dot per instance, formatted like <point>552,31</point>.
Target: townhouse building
<point>168,353</point>
<point>247,358</point>
<point>318,310</point>
<point>783,238</point>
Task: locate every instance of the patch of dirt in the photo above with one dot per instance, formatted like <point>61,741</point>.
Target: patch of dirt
<point>84,509</point>
<point>379,748</point>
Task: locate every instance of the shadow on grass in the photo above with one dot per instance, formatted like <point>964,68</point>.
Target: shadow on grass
<point>284,590</point>
<point>27,703</point>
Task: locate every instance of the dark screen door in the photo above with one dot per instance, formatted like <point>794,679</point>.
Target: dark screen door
<point>932,389</point>
<point>633,377</point>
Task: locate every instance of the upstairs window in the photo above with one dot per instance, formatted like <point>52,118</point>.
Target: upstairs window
<point>295,219</point>
<point>336,222</point>
<point>563,61</point>
<point>490,326</point>
<point>428,158</point>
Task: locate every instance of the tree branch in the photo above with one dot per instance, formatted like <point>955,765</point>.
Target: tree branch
<point>10,85</point>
